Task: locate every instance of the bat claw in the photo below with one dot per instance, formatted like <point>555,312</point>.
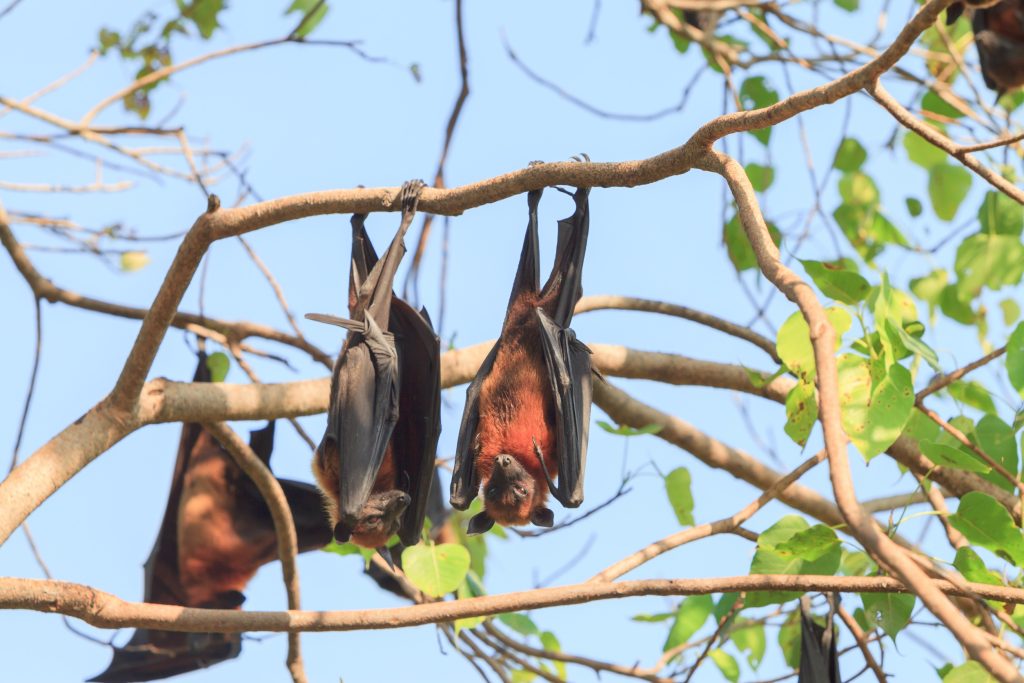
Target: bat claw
<point>582,157</point>
<point>410,194</point>
<point>536,162</point>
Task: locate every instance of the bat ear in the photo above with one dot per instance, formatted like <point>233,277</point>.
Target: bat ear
<point>543,517</point>
<point>479,523</point>
<point>341,533</point>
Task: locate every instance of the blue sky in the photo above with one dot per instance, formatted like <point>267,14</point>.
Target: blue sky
<point>319,118</point>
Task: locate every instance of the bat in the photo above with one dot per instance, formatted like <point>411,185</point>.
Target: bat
<point>216,532</point>
<point>999,37</point>
<point>527,411</point>
<point>819,661</point>
<point>375,461</point>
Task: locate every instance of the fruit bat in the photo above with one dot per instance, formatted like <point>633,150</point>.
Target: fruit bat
<point>999,37</point>
<point>375,461</point>
<point>216,532</point>
<point>528,409</point>
<point>819,661</point>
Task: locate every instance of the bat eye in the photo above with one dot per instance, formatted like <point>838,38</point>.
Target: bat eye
<point>491,492</point>
<point>520,491</point>
<point>373,520</point>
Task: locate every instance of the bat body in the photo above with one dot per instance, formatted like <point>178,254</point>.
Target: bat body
<point>216,532</point>
<point>819,660</point>
<point>999,37</point>
<point>528,409</point>
<point>375,461</point>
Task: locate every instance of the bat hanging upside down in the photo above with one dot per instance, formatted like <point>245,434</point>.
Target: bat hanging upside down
<point>999,37</point>
<point>376,459</point>
<point>528,409</point>
<point>216,532</point>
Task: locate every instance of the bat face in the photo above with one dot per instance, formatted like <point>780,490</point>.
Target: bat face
<point>378,521</point>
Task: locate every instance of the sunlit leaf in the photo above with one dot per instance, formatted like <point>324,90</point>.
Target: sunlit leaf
<point>947,187</point>
<point>726,664</point>
<point>313,20</point>
<point>801,411</point>
<point>888,611</point>
<point>922,152</point>
<point>218,364</point>
<point>968,672</point>
<point>691,615</point>
<point>850,155</point>
<point>761,177</point>
<point>436,569</point>
<point>988,260</point>
<point>986,523</point>
<point>677,486</point>
<point>837,282</point>
<point>134,260</point>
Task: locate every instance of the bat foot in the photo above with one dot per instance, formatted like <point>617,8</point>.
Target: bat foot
<point>535,163</point>
<point>409,195</point>
<point>385,553</point>
<point>581,158</point>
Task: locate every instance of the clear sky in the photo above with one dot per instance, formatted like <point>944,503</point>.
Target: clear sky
<point>319,118</point>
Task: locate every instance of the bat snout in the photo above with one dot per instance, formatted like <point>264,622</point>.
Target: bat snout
<point>504,461</point>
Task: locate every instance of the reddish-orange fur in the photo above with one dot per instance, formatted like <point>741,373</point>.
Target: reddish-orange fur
<point>325,468</point>
<point>213,557</point>
<point>516,409</point>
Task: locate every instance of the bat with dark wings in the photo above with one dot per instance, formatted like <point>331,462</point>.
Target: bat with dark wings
<point>216,532</point>
<point>819,659</point>
<point>999,37</point>
<point>376,459</point>
<point>527,411</point>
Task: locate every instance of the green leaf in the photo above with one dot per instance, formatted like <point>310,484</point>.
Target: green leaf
<point>203,14</point>
<point>929,288</point>
<point>850,155</point>
<point>303,7</point>
<point>738,247</point>
<point>973,568</point>
<point>858,189</point>
<point>691,615</point>
<point>1015,358</point>
<point>888,611</point>
<point>756,94</point>
<point>848,5</point>
<point>987,523</point>
<point>218,365</point>
<point>948,186</point>
<point>677,486</point>
<point>761,177</point>
<point>996,438</point>
<point>134,260</point>
<point>1011,311</point>
<point>653,618</point>
<point>522,676</point>
<point>793,343</point>
<point>772,558</point>
<point>837,282</point>
<point>935,104</point>
<point>855,563</point>
<point>867,229</point>
<point>811,544</point>
<point>789,640</point>
<point>1001,215</point>
<point>726,664</point>
<point>987,260</point>
<point>520,623</point>
<point>952,456</point>
<point>748,636</point>
<point>968,672</point>
<point>625,430</point>
<point>922,152</point>
<point>801,412</point>
<point>436,569</point>
<point>876,402</point>
<point>466,590</point>
<point>550,642</point>
<point>914,206</point>
<point>973,394</point>
<point>956,308</point>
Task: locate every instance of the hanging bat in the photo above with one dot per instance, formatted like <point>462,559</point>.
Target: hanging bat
<point>528,409</point>
<point>819,661</point>
<point>216,532</point>
<point>375,461</point>
<point>999,37</point>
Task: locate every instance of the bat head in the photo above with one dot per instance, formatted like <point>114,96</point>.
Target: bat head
<point>511,497</point>
<point>379,519</point>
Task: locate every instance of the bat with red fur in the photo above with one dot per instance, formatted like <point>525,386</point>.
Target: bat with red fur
<point>528,409</point>
<point>999,37</point>
<point>375,461</point>
<point>216,532</point>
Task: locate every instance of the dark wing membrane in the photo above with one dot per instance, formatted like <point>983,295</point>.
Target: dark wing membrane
<point>414,440</point>
<point>567,271</point>
<point>362,413</point>
<point>312,525</point>
<point>817,664</point>
<point>465,479</point>
<point>568,364</point>
<point>364,258</point>
<point>527,279</point>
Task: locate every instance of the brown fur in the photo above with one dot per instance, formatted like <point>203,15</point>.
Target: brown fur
<point>516,408</point>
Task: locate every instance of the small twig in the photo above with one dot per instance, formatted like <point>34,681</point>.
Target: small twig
<point>862,643</point>
<point>736,606</point>
<point>943,381</point>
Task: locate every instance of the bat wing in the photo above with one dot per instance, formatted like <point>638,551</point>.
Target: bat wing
<point>414,441</point>
<point>465,478</point>
<point>364,258</point>
<point>818,664</point>
<point>567,271</point>
<point>152,654</point>
<point>568,365</point>
<point>312,525</point>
